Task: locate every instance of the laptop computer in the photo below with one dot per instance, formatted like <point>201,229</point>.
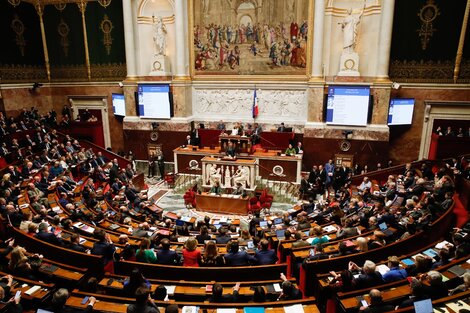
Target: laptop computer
<point>277,221</point>
<point>263,224</point>
<point>384,229</point>
<point>280,234</point>
<point>250,244</point>
<point>423,306</point>
<point>179,223</point>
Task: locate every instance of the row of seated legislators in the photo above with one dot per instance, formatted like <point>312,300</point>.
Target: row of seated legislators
<point>448,131</point>
<point>406,203</point>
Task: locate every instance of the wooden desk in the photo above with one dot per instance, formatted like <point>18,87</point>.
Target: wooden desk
<point>271,166</point>
<point>241,143</point>
<point>219,204</point>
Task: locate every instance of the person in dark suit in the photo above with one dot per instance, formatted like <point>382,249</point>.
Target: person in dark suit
<point>318,254</point>
<point>377,305</point>
<point>104,246</point>
<point>46,236</point>
<point>195,139</point>
<point>436,288</point>
<point>289,291</point>
<point>231,150</point>
<point>75,244</point>
<point>166,256</point>
<point>151,165</point>
<point>143,302</point>
<point>238,258</point>
<point>256,135</point>
<point>203,236</point>
<point>265,255</point>
<point>161,164</point>
<point>219,297</point>
<point>222,237</point>
<point>281,128</point>
<point>368,277</point>
<point>60,298</point>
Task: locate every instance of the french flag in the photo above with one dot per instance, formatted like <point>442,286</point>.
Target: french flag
<point>255,105</point>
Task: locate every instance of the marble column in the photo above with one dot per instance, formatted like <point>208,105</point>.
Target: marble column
<point>318,23</point>
<point>129,38</point>
<point>180,39</point>
<point>385,39</point>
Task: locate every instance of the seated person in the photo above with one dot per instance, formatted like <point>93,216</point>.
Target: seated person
<point>289,291</point>
<point>239,190</point>
<point>265,255</point>
<point>216,188</point>
<point>376,304</point>
<point>218,296</point>
<point>235,257</point>
<point>290,150</point>
<point>368,276</point>
<point>436,288</point>
<point>143,302</point>
<point>165,255</point>
<point>231,150</point>
<point>60,298</point>
<point>395,273</point>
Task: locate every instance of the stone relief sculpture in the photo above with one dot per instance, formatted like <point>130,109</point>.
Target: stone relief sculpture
<point>214,174</point>
<point>288,104</point>
<point>242,176</point>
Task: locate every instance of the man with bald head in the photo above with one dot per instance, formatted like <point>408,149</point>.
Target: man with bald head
<point>376,305</point>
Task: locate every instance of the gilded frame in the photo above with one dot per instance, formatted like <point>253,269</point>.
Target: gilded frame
<point>268,77</point>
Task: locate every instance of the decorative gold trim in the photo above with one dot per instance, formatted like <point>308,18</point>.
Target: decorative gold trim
<point>14,3</point>
<point>148,19</point>
<point>63,29</point>
<point>13,73</point>
<point>257,77</point>
<point>106,27</point>
<point>60,6</point>
<point>18,28</point>
<point>104,3</point>
<point>40,10</point>
<point>82,7</point>
<point>427,71</point>
<point>311,14</point>
<point>458,58</point>
<point>427,14</point>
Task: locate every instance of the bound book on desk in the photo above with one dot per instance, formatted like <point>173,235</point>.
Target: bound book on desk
<point>51,268</point>
<point>457,270</point>
<point>209,288</point>
<point>114,226</point>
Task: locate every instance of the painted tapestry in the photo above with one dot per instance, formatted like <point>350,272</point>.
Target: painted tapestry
<point>250,37</point>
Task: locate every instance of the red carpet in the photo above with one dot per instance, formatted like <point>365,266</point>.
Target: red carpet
<point>460,212</point>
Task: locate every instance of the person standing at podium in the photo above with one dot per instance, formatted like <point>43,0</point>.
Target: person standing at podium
<point>231,150</point>
<point>256,135</point>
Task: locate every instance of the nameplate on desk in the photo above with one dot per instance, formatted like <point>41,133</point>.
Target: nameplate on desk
<point>32,290</point>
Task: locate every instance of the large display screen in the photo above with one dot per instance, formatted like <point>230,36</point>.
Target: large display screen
<point>154,101</point>
<point>347,105</point>
<point>119,104</point>
<point>400,111</point>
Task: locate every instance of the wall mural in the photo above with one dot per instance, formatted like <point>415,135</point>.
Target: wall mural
<point>250,37</point>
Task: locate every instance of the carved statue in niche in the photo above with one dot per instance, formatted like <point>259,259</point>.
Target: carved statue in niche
<point>350,29</point>
<point>214,174</point>
<point>159,36</point>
